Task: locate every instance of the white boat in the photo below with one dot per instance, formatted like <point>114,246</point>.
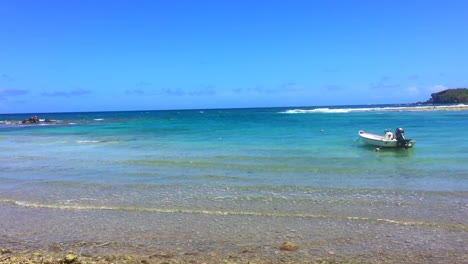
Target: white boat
<point>388,140</point>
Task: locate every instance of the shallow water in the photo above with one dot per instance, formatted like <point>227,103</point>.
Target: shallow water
<point>244,164</point>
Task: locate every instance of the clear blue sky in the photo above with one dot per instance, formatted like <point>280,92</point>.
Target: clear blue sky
<point>169,54</point>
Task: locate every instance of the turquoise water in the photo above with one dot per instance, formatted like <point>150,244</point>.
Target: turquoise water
<point>238,147</point>
<point>195,179</point>
<point>197,158</point>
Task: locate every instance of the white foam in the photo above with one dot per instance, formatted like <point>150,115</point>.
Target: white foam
<point>98,119</point>
<point>320,110</point>
<point>371,109</point>
<point>87,141</point>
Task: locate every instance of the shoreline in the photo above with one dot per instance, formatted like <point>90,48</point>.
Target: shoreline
<point>44,235</point>
<point>71,257</point>
<point>122,253</point>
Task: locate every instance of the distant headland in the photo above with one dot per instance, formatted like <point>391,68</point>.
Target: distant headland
<point>449,96</point>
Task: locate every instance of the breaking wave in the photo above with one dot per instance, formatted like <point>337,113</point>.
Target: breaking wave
<point>317,110</point>
<point>377,109</point>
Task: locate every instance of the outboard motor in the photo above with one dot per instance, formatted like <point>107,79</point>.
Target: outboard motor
<point>400,137</point>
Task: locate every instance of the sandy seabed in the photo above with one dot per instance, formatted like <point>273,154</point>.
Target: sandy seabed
<point>43,235</point>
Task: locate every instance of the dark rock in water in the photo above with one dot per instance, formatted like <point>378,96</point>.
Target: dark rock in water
<point>449,96</point>
<point>32,119</point>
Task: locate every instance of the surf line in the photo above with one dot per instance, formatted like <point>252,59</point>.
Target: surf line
<point>234,213</point>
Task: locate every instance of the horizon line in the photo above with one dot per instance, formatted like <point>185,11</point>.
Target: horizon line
<point>216,108</point>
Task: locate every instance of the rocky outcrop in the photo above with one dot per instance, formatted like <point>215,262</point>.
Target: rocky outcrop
<point>30,120</point>
<point>449,96</point>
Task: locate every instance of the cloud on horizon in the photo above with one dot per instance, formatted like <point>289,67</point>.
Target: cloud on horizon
<point>206,91</point>
<point>134,91</point>
<point>76,92</point>
<point>437,88</point>
<point>142,84</point>
<point>384,83</point>
<point>257,89</point>
<point>413,91</point>
<point>333,87</point>
<point>291,87</point>
<point>6,77</point>
<point>139,90</point>
<point>12,92</point>
<point>414,77</point>
<point>285,87</point>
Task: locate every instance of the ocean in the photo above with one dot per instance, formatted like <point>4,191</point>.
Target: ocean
<point>222,180</point>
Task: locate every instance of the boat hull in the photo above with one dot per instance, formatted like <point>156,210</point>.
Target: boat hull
<point>382,141</point>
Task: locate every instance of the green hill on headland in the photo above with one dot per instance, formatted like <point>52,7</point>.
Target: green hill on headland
<point>449,96</point>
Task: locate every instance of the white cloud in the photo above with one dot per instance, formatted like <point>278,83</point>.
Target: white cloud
<point>413,91</point>
<point>437,88</point>
<point>12,92</point>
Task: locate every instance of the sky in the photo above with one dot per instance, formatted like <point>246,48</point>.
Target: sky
<point>99,55</point>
